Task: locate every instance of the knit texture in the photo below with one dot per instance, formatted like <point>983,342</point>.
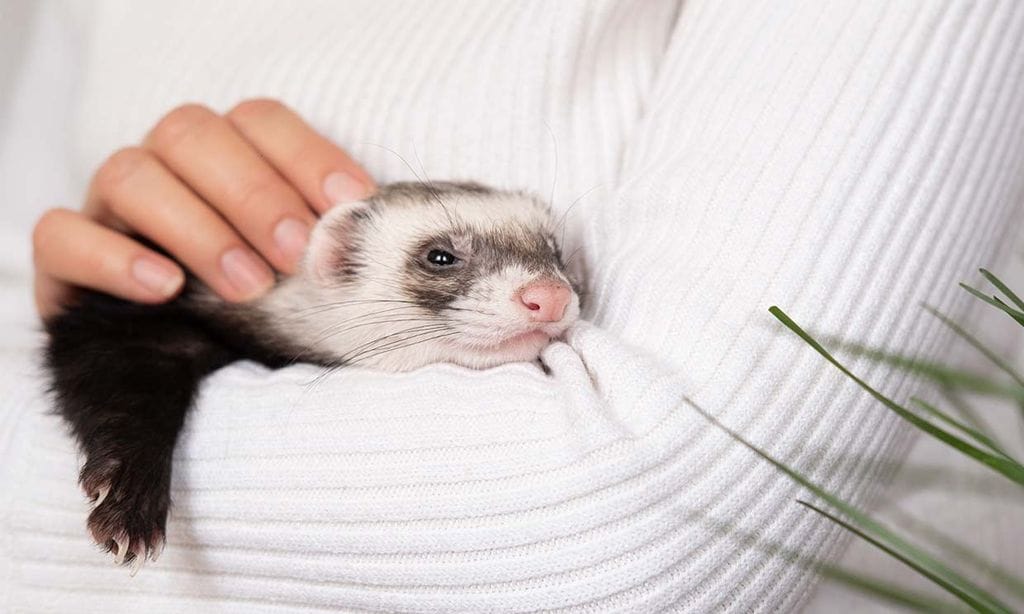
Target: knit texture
<point>845,160</point>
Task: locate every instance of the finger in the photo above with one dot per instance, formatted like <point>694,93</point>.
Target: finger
<point>51,296</point>
<point>140,193</point>
<point>72,250</point>
<point>322,172</point>
<point>215,161</point>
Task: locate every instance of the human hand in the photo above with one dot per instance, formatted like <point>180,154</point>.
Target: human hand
<point>227,196</point>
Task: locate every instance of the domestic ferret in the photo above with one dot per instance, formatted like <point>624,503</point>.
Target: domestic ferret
<point>416,274</point>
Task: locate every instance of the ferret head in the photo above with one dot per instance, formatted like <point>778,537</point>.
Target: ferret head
<point>450,272</point>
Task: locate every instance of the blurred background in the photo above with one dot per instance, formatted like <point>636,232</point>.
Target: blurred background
<point>37,90</point>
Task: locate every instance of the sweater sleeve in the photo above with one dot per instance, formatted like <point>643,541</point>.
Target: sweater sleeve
<point>846,161</point>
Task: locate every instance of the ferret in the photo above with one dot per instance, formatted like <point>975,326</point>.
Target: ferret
<point>416,274</point>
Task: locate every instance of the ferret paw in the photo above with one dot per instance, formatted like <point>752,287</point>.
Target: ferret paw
<point>129,512</point>
<point>96,479</point>
<point>130,534</point>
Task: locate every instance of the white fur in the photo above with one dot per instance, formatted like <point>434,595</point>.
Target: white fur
<point>370,321</point>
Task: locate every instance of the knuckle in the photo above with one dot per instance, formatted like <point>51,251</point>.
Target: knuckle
<point>254,109</point>
<point>121,165</point>
<point>255,194</point>
<point>181,122</point>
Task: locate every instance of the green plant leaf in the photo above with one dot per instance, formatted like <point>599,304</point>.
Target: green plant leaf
<point>888,592</point>
<point>995,281</point>
<point>966,590</point>
<point>967,412</point>
<point>1006,467</point>
<point>976,344</point>
<point>949,586</point>
<point>977,435</point>
<point>990,569</point>
<point>995,302</point>
<point>948,377</point>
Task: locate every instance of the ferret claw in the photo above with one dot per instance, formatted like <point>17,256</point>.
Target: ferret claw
<point>122,541</point>
<point>138,562</point>
<point>158,551</point>
<point>128,513</point>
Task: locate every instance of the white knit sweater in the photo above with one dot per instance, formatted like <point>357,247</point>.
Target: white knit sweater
<point>845,160</point>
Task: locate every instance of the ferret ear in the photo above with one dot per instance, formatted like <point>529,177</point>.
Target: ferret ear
<point>333,244</point>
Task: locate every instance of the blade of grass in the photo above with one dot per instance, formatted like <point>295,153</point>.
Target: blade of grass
<point>998,283</point>
<point>967,412</point>
<point>976,344</point>
<point>964,589</point>
<point>991,569</point>
<point>1005,307</point>
<point>977,435</point>
<point>886,591</point>
<point>1008,468</point>
<point>893,553</point>
<point>995,302</point>
<point>943,375</point>
<point>1015,314</point>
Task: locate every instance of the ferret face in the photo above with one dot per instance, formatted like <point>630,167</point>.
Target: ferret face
<point>449,273</point>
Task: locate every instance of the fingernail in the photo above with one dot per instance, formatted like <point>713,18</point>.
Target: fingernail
<point>246,272</point>
<point>291,237</point>
<point>157,277</point>
<point>344,188</point>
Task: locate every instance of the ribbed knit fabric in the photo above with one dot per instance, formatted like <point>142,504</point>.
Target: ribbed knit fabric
<point>845,160</point>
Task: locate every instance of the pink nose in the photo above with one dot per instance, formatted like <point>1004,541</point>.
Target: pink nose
<point>545,300</point>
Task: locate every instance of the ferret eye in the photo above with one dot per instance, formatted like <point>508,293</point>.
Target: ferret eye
<point>439,257</point>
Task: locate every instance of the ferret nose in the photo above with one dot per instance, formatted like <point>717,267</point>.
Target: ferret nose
<point>546,300</point>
